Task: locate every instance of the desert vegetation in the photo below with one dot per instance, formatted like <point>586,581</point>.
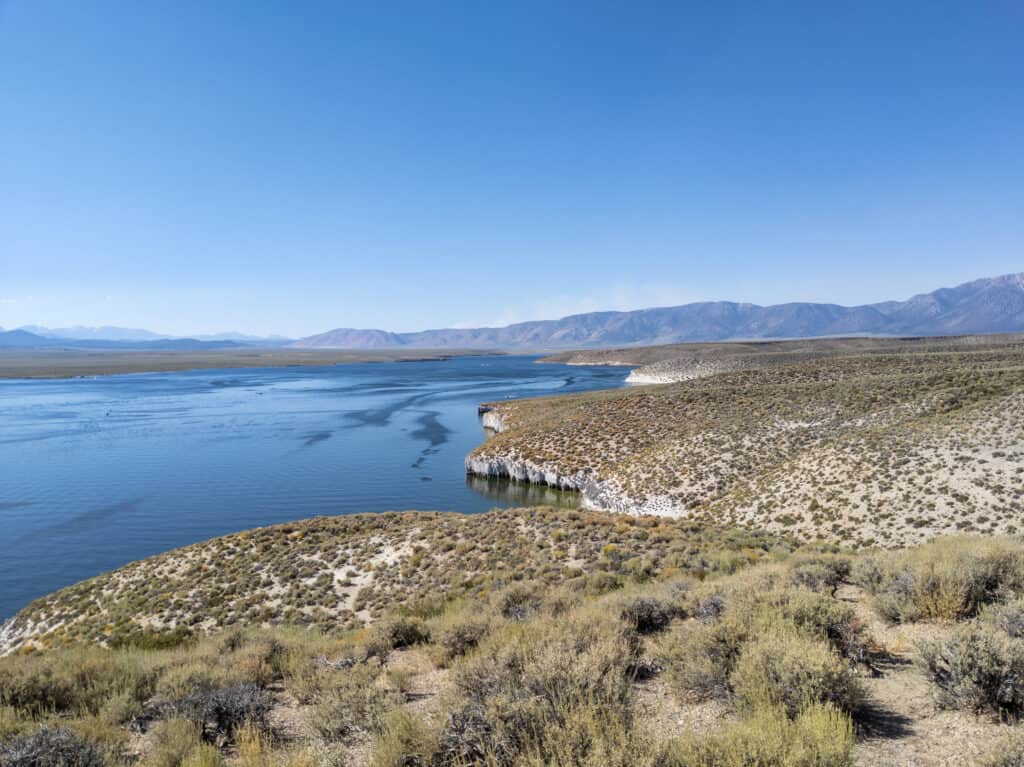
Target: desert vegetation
<point>868,446</point>
<point>757,652</point>
<point>344,572</point>
<point>773,616</point>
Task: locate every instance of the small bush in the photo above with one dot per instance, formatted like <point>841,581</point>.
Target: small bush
<point>647,615</point>
<point>352,706</point>
<point>979,669</point>
<point>394,634</point>
<point>457,634</point>
<point>947,579</point>
<point>81,679</point>
<point>820,736</point>
<point>50,747</point>
<point>1009,618</point>
<point>405,742</point>
<point>791,672</point>
<point>822,572</point>
<point>700,657</point>
<point>710,608</point>
<point>519,601</point>
<point>528,681</point>
<point>220,713</point>
<point>826,618</point>
<point>148,639</point>
<point>178,743</point>
<point>255,748</point>
<point>12,723</point>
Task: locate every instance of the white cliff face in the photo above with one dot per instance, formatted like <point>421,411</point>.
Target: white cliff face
<point>640,378</point>
<point>680,369</point>
<point>12,632</point>
<point>596,493</point>
<point>524,471</point>
<point>494,420</point>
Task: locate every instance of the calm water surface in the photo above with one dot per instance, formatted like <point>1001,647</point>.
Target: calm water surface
<point>98,472</point>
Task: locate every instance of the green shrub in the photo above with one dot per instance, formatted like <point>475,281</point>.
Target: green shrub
<point>74,680</point>
<point>820,736</point>
<point>825,617</point>
<point>404,742</point>
<point>395,633</point>
<point>979,668</point>
<point>149,639</point>
<point>699,657</point>
<point>519,601</point>
<point>12,723</point>
<point>1009,618</point>
<point>947,579</point>
<point>354,704</point>
<point>456,634</point>
<point>820,572</point>
<point>790,671</point>
<point>529,680</point>
<point>178,743</point>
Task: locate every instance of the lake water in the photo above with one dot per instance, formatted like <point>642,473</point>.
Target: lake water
<point>98,472</point>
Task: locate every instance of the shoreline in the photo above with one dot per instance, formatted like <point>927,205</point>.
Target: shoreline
<point>20,364</point>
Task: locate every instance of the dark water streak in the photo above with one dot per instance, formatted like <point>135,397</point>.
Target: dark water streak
<point>99,472</point>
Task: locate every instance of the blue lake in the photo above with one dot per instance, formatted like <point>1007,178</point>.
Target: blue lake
<point>98,472</point>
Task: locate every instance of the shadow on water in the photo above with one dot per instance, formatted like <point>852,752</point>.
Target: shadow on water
<point>319,436</point>
<point>11,505</point>
<point>514,493</point>
<point>85,520</point>
<point>431,429</point>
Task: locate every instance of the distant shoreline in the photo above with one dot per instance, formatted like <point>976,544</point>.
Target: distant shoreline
<point>63,363</point>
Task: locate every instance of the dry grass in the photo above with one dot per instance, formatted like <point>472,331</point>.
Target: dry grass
<point>339,573</point>
<point>859,448</point>
<point>536,672</point>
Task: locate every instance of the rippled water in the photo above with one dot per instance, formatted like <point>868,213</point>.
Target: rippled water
<point>98,472</point>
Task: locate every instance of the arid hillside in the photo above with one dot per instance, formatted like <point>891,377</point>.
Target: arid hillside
<point>877,447</point>
<point>672,363</point>
<point>647,645</point>
<point>339,573</point>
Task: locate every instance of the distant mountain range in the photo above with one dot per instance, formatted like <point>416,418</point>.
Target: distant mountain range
<point>105,333</point>
<point>78,337</point>
<point>993,305</point>
<point>22,339</point>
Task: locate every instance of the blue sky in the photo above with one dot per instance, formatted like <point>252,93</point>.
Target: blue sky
<point>292,167</point>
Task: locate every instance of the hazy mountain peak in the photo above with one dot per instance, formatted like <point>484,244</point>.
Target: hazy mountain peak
<point>988,305</point>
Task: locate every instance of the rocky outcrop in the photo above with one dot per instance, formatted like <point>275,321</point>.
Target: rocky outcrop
<point>525,471</point>
<point>493,419</point>
<point>596,494</point>
<point>683,369</point>
<point>605,497</point>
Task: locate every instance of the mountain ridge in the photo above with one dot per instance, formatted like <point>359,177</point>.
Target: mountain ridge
<point>986,305</point>
<point>23,339</point>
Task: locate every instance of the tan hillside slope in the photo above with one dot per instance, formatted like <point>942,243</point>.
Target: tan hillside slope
<point>340,573</point>
<point>867,448</point>
<point>671,363</point>
<point>815,658</point>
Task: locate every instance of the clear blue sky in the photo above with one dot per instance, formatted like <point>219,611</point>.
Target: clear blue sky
<point>291,167</point>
